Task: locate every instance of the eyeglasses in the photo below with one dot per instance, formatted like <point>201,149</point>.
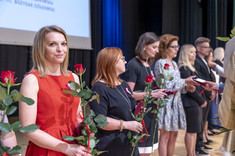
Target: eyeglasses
<point>174,47</point>
<point>123,58</point>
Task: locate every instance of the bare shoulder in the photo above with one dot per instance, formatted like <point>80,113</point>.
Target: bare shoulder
<point>30,81</point>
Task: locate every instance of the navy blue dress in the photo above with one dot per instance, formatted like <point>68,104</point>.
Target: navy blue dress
<point>116,103</point>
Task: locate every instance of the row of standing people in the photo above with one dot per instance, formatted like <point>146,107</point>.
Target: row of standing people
<point>56,113</point>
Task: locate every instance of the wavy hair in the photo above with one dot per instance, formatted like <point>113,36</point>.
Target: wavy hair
<point>165,41</point>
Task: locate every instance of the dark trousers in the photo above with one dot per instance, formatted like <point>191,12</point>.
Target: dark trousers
<point>205,111</point>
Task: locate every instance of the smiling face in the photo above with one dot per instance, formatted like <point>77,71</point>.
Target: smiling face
<point>151,49</point>
<point>172,50</point>
<point>55,47</point>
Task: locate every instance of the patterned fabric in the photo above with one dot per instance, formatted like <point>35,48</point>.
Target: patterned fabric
<point>172,116</point>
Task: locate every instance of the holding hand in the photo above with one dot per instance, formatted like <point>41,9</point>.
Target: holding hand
<point>158,93</point>
<point>210,85</point>
<point>190,81</point>
<point>191,88</point>
<point>133,126</point>
<point>76,150</point>
<point>204,104</point>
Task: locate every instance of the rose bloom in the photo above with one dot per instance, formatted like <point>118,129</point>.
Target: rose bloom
<point>78,68</point>
<point>6,76</point>
<point>166,66</point>
<point>149,79</point>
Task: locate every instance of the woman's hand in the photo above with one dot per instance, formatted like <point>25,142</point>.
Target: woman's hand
<point>204,104</point>
<point>190,81</point>
<point>158,93</point>
<point>191,88</point>
<point>133,126</point>
<point>76,150</point>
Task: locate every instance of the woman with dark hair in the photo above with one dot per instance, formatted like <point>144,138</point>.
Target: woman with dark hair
<point>53,111</point>
<point>172,115</point>
<point>137,70</point>
<point>116,103</point>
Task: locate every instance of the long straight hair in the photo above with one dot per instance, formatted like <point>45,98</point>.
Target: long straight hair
<point>38,52</point>
<point>107,59</point>
<point>183,57</point>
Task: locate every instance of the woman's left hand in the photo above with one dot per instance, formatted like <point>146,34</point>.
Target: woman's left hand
<point>191,88</point>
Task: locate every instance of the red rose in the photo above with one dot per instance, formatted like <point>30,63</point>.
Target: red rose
<point>78,69</point>
<point>149,79</point>
<point>6,76</point>
<point>166,66</point>
<point>139,107</point>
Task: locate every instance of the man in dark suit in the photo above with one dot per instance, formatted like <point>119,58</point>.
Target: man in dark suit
<point>202,45</point>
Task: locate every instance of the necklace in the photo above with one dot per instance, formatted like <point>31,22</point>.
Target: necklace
<point>125,96</point>
<point>54,74</point>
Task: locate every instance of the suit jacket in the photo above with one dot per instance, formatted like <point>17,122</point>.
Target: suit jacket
<point>191,99</point>
<point>227,104</point>
<point>203,73</point>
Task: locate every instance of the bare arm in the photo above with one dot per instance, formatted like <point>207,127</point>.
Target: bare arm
<point>28,114</point>
<point>115,124</point>
<point>158,93</point>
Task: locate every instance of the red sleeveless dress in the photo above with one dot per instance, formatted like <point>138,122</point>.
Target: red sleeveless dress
<point>56,111</point>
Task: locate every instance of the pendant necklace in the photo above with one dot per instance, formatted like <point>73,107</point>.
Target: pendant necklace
<point>124,96</point>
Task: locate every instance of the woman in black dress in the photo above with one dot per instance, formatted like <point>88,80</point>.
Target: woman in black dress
<point>137,70</point>
<point>191,101</point>
<point>116,103</point>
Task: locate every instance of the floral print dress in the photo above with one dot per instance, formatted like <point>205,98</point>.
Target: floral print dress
<point>172,116</point>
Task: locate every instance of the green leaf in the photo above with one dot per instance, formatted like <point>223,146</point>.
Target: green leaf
<point>74,85</point>
<point>3,93</point>
<point>80,138</point>
<point>231,35</point>
<point>92,98</point>
<point>233,31</point>
<point>97,98</point>
<point>27,100</point>
<point>93,128</point>
<point>94,152</point>
<point>161,76</point>
<point>73,93</point>
<point>92,113</point>
<point>16,125</point>
<point>84,131</point>
<point>101,121</point>
<point>11,110</point>
<point>129,135</point>
<point>225,39</point>
<point>4,148</point>
<point>92,143</point>
<point>88,119</point>
<point>5,127</point>
<point>15,150</point>
<point>88,94</point>
<point>7,101</point>
<point>29,129</point>
<point>69,138</point>
<point>16,95</point>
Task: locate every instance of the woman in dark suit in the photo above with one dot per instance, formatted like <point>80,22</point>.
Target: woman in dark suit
<point>192,102</point>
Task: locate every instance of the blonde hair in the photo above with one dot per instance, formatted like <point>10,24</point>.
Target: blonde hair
<point>219,53</point>
<point>38,52</point>
<point>107,59</point>
<point>165,42</point>
<point>183,56</point>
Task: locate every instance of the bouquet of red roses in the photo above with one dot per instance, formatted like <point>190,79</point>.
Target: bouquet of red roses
<point>84,131</point>
<point>7,98</point>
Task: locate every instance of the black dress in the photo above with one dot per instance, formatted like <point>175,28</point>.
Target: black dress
<point>136,72</point>
<point>115,103</point>
<point>192,103</point>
